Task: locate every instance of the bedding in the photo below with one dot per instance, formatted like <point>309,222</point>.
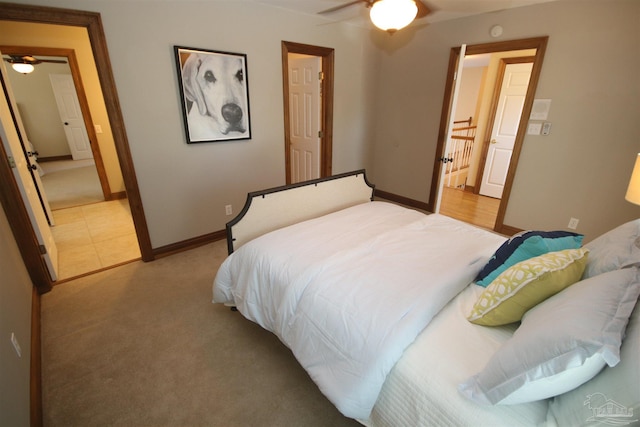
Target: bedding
<point>526,284</point>
<point>348,292</point>
<point>421,390</point>
<point>525,245</point>
<point>614,249</point>
<point>374,302</point>
<point>561,343</point>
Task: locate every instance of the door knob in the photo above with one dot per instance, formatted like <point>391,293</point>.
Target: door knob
<point>493,141</point>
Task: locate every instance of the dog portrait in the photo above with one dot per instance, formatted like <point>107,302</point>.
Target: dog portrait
<point>215,94</point>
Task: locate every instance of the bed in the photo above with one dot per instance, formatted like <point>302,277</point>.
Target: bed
<point>382,307</point>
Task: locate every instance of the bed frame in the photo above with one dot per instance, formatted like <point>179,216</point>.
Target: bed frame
<point>278,207</point>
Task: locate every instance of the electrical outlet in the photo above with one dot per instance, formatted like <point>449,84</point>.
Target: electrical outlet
<point>573,223</point>
<point>16,345</point>
<point>228,210</point>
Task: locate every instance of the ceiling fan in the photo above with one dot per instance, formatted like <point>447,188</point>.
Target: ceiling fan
<point>24,63</point>
<point>389,15</point>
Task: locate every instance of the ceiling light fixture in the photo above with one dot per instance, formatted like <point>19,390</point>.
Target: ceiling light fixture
<point>393,15</point>
<point>23,68</point>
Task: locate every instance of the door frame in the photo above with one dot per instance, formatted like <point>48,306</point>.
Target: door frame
<point>538,43</point>
<point>82,99</point>
<point>326,140</point>
<point>9,193</point>
<point>492,114</point>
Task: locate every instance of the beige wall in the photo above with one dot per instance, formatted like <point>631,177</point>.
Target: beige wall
<point>387,109</point>
<point>184,188</point>
<point>15,317</point>
<point>42,35</point>
<point>590,69</point>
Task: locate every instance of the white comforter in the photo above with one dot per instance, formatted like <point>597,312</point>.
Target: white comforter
<point>349,291</point>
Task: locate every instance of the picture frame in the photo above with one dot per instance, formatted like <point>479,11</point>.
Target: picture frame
<point>214,94</point>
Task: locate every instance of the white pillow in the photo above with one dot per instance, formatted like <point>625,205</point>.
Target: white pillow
<point>615,249</point>
<point>561,343</point>
<point>616,387</point>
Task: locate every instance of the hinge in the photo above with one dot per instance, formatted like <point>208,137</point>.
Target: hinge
<point>12,163</point>
<point>320,75</point>
<point>320,134</point>
<point>43,250</point>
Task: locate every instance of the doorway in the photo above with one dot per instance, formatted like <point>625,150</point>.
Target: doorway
<point>300,163</point>
<point>40,115</point>
<point>534,47</point>
<point>9,194</point>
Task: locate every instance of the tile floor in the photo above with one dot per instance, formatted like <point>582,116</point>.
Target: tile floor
<point>93,237</point>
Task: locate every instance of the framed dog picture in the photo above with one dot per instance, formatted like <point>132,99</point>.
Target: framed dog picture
<point>214,93</point>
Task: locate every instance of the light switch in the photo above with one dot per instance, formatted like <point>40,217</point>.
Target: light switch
<point>546,128</point>
<point>534,128</point>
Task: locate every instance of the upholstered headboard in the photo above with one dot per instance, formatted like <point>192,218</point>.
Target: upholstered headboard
<point>274,208</point>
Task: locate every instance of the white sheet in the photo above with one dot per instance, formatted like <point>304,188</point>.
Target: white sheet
<point>349,291</point>
<point>421,390</point>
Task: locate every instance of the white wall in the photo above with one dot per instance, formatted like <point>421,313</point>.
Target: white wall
<point>590,72</point>
<point>15,317</point>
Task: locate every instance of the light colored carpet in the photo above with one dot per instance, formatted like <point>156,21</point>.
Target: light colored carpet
<point>67,187</point>
<point>142,345</point>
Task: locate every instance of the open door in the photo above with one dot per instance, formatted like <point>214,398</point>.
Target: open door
<point>71,116</point>
<point>452,114</point>
<point>325,114</point>
<point>305,119</point>
<point>538,44</point>
<point>15,144</point>
<point>514,78</point>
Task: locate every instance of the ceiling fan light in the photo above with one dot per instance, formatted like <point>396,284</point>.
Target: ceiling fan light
<point>22,68</point>
<point>393,15</point>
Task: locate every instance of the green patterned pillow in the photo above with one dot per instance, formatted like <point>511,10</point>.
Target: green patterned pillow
<point>526,284</point>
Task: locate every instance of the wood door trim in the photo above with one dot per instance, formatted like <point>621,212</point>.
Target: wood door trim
<point>21,227</point>
<point>82,99</point>
<point>538,43</point>
<point>326,140</point>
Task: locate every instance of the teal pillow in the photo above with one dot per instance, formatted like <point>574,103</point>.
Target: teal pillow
<point>523,246</point>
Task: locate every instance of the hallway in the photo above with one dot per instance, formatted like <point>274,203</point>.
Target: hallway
<point>91,234</point>
<point>93,237</point>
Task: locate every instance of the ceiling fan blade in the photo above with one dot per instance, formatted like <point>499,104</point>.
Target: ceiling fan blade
<point>423,9</point>
<point>342,6</point>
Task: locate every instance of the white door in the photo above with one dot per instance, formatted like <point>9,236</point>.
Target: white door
<point>32,159</point>
<point>12,142</point>
<point>71,116</point>
<point>505,127</point>
<point>304,107</point>
<point>452,115</point>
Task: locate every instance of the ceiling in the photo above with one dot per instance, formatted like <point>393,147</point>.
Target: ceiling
<point>358,14</point>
